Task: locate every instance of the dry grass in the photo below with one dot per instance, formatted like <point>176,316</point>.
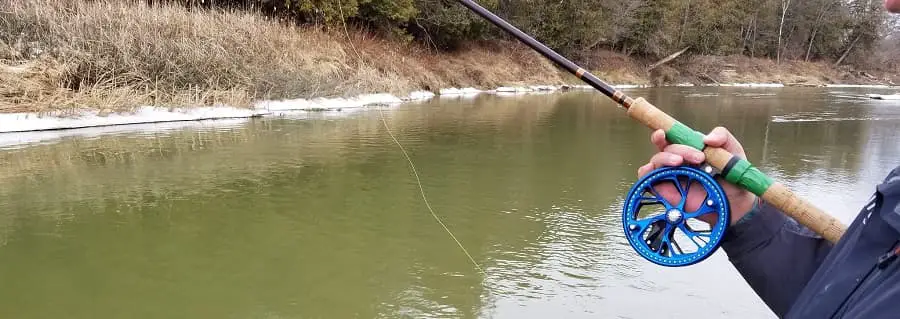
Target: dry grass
<point>616,68</point>
<point>114,55</point>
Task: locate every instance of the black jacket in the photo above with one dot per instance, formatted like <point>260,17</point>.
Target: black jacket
<point>800,275</point>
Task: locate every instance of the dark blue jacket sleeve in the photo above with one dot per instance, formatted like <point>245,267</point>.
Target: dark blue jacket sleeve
<point>775,255</point>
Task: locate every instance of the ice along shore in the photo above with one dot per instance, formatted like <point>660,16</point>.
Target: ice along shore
<point>11,123</point>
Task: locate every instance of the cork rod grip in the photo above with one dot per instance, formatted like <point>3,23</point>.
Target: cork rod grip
<point>804,213</point>
<point>717,157</point>
<point>740,172</point>
<point>776,194</point>
<point>649,115</point>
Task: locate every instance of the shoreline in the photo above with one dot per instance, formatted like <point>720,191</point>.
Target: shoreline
<point>82,74</point>
<point>25,122</point>
<point>24,128</point>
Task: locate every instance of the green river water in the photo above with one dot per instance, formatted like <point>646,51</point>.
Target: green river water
<point>319,216</point>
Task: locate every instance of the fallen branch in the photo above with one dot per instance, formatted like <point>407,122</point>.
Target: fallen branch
<point>704,76</point>
<point>667,59</point>
<point>847,51</point>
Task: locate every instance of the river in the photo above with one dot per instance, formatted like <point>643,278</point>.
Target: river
<point>319,215</point>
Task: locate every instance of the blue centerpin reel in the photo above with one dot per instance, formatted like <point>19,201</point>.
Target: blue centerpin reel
<point>663,229</point>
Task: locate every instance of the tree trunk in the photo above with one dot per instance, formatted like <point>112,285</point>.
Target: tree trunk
<point>784,8</point>
<point>753,42</point>
<point>684,20</point>
<point>787,42</point>
<point>816,25</point>
<point>745,36</point>
<point>811,39</point>
<point>843,56</point>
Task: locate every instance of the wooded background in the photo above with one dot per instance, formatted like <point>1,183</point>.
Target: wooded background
<point>859,32</point>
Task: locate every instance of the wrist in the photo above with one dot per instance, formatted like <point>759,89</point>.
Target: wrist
<point>744,207</point>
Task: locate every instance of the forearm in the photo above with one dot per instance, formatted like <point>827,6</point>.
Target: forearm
<point>775,255</point>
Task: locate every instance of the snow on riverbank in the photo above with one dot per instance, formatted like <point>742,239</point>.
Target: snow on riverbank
<point>276,107</point>
<point>463,91</point>
<point>32,122</point>
<point>760,85</point>
<point>29,122</point>
<point>17,123</point>
<point>23,139</point>
<point>25,128</point>
<point>866,86</point>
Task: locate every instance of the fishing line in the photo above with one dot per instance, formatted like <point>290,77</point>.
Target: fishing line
<point>408,159</point>
<point>424,198</point>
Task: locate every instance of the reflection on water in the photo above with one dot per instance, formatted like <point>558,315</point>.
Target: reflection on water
<point>319,215</point>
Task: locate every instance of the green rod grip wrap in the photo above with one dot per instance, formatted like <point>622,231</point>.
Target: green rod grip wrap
<point>748,177</point>
<point>681,134</point>
<point>742,173</point>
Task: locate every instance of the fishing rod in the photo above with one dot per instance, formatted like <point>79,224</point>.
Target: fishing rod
<point>653,237</point>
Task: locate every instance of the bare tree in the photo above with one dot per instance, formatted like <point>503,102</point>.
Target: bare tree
<point>818,24</point>
<point>846,52</point>
<point>784,8</point>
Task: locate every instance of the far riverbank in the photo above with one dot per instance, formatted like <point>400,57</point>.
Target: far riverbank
<point>82,64</point>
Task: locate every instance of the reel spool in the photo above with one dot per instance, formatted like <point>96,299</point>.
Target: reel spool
<point>666,231</point>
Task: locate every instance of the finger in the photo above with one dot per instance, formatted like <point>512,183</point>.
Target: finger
<point>658,138</point>
<point>643,170</point>
<point>718,137</point>
<point>690,154</point>
<point>662,159</point>
<point>722,138</point>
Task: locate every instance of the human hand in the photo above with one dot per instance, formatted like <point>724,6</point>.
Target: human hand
<point>892,6</point>
<point>741,200</point>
